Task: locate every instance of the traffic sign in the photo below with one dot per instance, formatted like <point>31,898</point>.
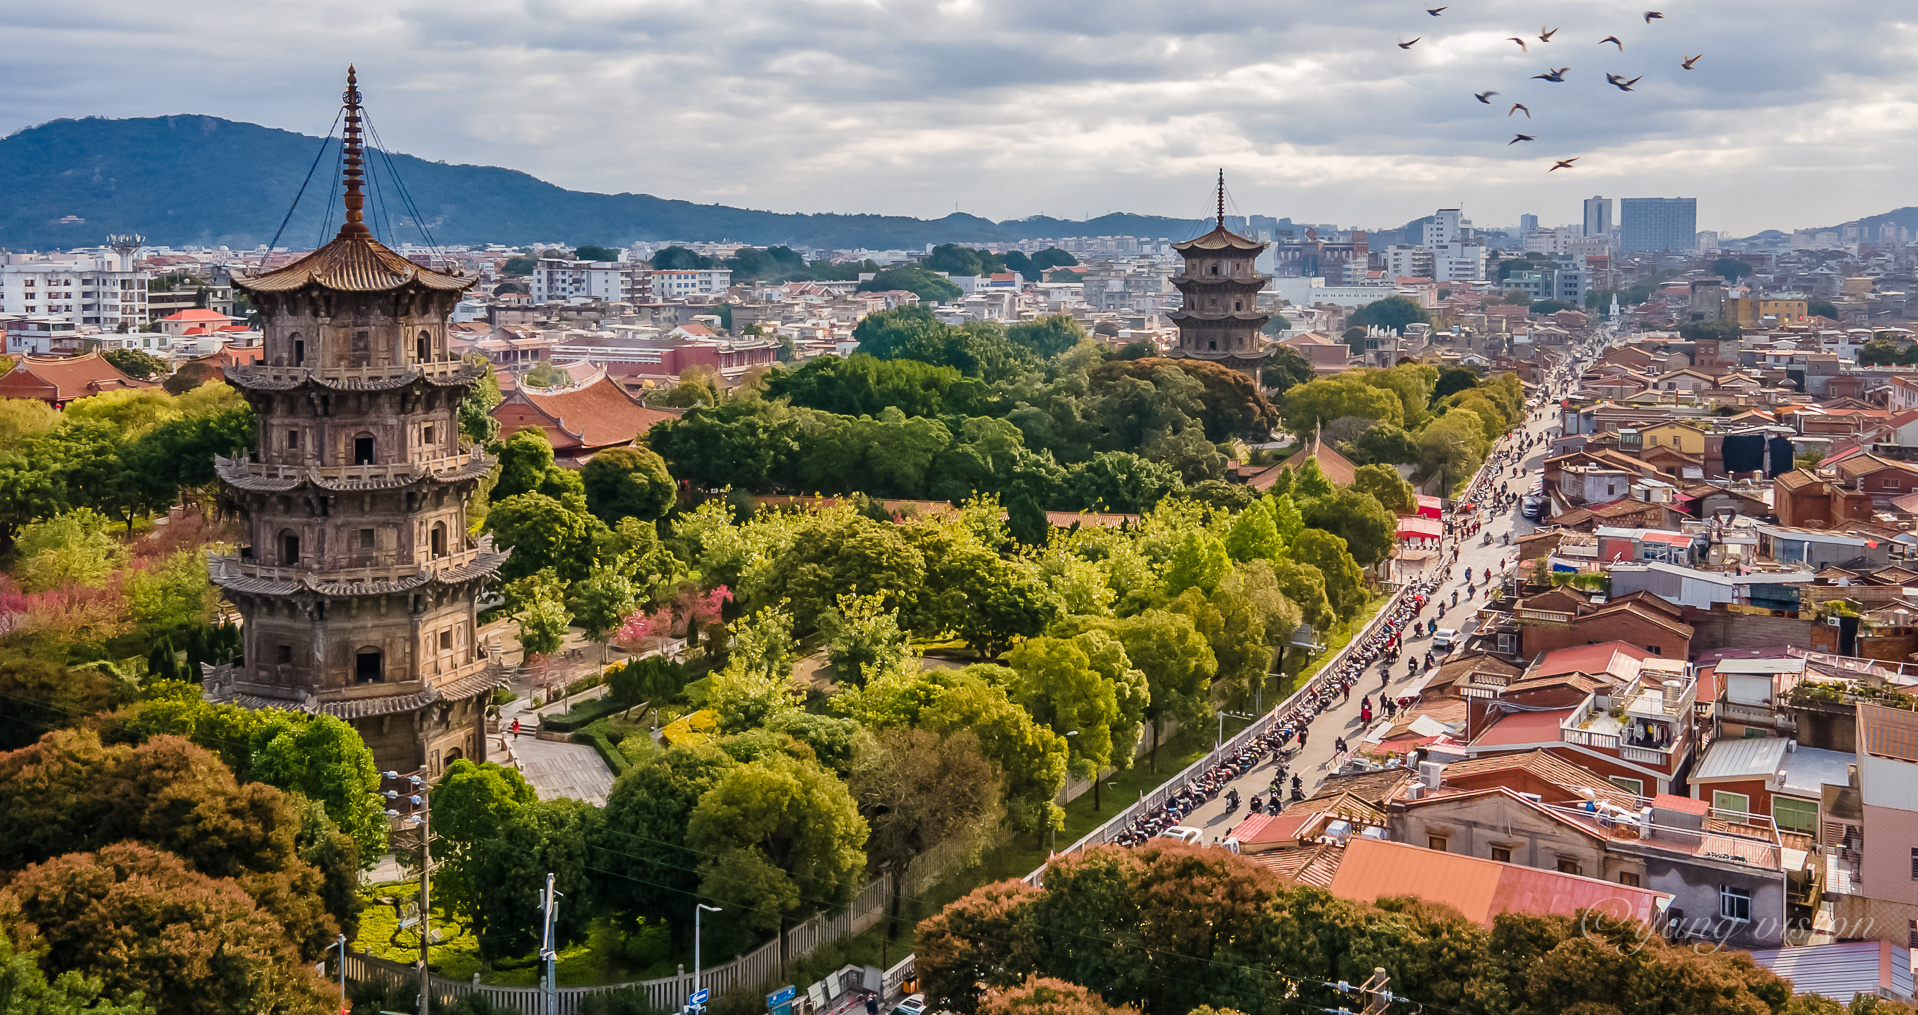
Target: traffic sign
<point>699,996</point>
<point>780,996</point>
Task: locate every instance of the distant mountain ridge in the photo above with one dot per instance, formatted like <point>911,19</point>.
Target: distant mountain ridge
<point>185,180</point>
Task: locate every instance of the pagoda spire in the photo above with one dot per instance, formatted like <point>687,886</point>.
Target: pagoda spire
<point>354,160</point>
<point>1221,197</point>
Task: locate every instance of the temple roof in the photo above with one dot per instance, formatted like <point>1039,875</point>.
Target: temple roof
<point>352,262</point>
<point>1220,238</point>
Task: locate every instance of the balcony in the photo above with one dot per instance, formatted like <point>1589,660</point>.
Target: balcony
<point>250,474</point>
<point>387,569</point>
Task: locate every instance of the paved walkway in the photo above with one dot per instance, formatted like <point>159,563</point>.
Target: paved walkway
<point>563,770</point>
<point>1342,720</point>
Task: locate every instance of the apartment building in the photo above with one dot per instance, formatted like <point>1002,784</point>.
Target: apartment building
<point>678,283</point>
<point>84,290</point>
<point>556,280</point>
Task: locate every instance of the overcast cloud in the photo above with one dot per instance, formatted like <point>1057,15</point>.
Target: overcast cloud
<point>1799,114</point>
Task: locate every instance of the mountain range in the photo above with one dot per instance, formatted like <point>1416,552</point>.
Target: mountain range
<point>187,180</point>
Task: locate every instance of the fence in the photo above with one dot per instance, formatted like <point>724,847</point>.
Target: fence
<point>754,970</point>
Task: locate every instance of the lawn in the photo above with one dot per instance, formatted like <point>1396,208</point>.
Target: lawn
<point>456,956</point>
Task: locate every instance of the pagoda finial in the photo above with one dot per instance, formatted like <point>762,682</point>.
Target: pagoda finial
<point>352,156</point>
<point>1221,197</point>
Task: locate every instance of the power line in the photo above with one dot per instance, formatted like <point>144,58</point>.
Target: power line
<point>325,142</point>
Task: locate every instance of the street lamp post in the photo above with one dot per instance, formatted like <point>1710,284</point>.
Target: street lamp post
<point>697,908</point>
<point>340,943</point>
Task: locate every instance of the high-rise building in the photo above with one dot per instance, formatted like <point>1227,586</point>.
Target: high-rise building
<point>1527,225</point>
<point>356,576</point>
<point>1658,223</point>
<point>1218,316</point>
<point>1598,216</point>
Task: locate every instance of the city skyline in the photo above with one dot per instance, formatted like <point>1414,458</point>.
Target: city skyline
<point>919,109</point>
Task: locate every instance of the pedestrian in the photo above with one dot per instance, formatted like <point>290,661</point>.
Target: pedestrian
<point>872,1003</point>
<point>516,728</point>
<point>1302,733</point>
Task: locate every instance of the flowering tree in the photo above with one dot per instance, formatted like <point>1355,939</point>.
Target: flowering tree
<point>681,616</point>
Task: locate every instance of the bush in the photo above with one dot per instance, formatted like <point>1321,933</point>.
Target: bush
<point>578,716</point>
<point>618,1001</point>
<point>654,678</point>
<point>596,735</point>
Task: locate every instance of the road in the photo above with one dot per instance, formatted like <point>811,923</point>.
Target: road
<point>1342,720</point>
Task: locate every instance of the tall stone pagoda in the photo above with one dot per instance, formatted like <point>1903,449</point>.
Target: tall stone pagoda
<point>1218,316</point>
<point>358,579</point>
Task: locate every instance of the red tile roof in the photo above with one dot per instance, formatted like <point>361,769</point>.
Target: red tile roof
<point>58,380</point>
<point>1481,889</point>
<point>1524,728</point>
<point>196,315</point>
<point>1613,657</point>
<point>587,418</point>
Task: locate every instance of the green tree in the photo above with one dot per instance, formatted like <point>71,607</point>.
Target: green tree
<point>1452,447</point>
<point>135,363</point>
<point>1344,582</point>
<point>518,266</point>
<point>1394,312</point>
<point>1822,308</point>
<point>919,792</point>
<point>1286,519</point>
<point>1731,268</point>
<point>1286,368</point>
<point>863,639</point>
<point>1254,535</point>
<point>677,258</point>
<point>72,548</point>
<point>1311,482</point>
<point>644,833</point>
<point>545,837</point>
<point>476,409</point>
<point>1031,759</point>
<point>523,463</point>
<point>539,601</point>
<point>1048,336</point>
<point>590,252</point>
<point>1322,400</point>
<point>1085,691</point>
<point>542,534</point>
<point>147,923</point>
<point>782,839</point>
<point>927,286</point>
<point>1175,658</point>
<point>1384,484</point>
<point>24,990</point>
<point>1369,530</point>
<point>471,803</point>
<point>1199,562</point>
<point>604,599</point>
<point>1117,481</point>
<point>627,483</point>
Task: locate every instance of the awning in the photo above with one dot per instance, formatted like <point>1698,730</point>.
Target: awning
<point>1420,527</point>
<point>1430,507</point>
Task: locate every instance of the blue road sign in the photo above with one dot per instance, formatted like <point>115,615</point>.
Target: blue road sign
<point>699,996</point>
<point>780,996</point>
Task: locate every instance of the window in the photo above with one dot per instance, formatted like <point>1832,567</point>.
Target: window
<point>368,667</point>
<point>1914,864</point>
<point>439,539</point>
<point>1734,903</point>
<point>292,440</point>
<point>363,450</point>
<point>1567,865</point>
<point>299,351</point>
<point>286,654</point>
<point>362,350</point>
<point>1635,787</point>
<point>289,549</point>
<point>1795,815</point>
<point>1734,803</point>
<point>1437,842</point>
<point>1628,878</point>
<point>367,539</point>
<point>446,641</point>
<point>1502,854</point>
<point>426,436</point>
<point>424,347</point>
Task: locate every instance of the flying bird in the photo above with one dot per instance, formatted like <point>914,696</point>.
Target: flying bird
<point>1522,47</point>
<point>1556,75</point>
<point>1692,60</point>
<point>1516,138</point>
<point>1613,39</point>
<point>1545,35</point>
<point>1618,81</point>
<point>1485,97</point>
<point>1408,45</point>
<point>1564,163</point>
<point>1516,106</point>
<point>1434,11</point>
<point>1650,16</point>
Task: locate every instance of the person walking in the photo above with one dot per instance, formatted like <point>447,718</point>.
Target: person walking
<point>515,727</point>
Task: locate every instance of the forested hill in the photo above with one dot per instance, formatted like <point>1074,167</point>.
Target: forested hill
<point>182,180</point>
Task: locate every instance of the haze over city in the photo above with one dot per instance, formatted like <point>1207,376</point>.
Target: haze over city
<point>1798,115</point>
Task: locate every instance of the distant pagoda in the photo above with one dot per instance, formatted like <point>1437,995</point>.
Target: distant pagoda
<point>1219,317</point>
<point>358,579</point>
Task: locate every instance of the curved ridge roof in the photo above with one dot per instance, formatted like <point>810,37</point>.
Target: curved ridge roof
<point>352,262</point>
<point>1220,238</point>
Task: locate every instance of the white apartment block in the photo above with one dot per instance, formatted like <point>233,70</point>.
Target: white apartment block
<point>682,282</point>
<point>556,281</point>
<point>84,290</point>
<point>1458,262</point>
<point>1402,261</point>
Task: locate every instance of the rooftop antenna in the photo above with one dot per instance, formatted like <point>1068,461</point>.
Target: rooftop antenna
<point>125,245</point>
<point>355,201</point>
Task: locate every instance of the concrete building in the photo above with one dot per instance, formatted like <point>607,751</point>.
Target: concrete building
<point>101,290</point>
<point>1598,216</point>
<point>1658,223</point>
<point>556,281</point>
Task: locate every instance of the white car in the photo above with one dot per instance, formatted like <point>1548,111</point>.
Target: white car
<point>1445,638</point>
<point>914,1004</point>
<point>1184,833</point>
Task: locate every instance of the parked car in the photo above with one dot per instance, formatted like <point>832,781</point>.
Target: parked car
<point>914,1004</point>
<point>1184,833</point>
<point>1445,638</point>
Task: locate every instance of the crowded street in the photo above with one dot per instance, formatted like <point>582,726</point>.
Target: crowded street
<point>1349,695</point>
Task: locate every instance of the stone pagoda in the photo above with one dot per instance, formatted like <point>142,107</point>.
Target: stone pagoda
<point>358,578</point>
<point>1219,317</point>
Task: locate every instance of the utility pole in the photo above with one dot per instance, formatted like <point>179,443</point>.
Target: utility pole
<point>549,901</point>
<point>417,801</point>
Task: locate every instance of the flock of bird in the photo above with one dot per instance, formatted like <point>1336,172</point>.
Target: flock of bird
<point>1556,75</point>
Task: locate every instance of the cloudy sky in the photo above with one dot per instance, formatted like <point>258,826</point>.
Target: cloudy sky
<point>1799,114</point>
